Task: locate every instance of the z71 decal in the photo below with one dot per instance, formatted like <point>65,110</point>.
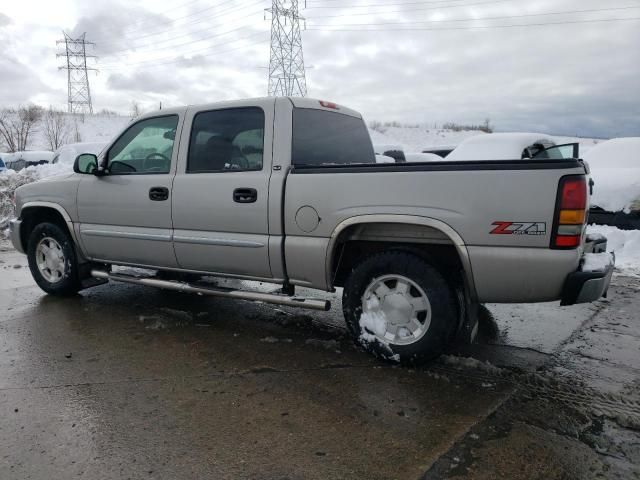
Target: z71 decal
<point>519,228</point>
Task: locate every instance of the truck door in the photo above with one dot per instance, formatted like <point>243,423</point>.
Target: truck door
<point>221,191</point>
<point>125,216</point>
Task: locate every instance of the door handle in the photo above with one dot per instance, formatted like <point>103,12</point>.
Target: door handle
<point>245,195</point>
<point>158,194</point>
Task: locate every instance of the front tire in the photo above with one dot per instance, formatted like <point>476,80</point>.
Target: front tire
<point>52,260</point>
<point>399,307</point>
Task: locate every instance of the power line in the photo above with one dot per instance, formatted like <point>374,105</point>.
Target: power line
<point>478,27</point>
<point>174,46</point>
<point>412,9</point>
<point>168,21</point>
<point>593,10</point>
<point>180,60</point>
<point>191,52</point>
<point>200,20</point>
<point>387,4</point>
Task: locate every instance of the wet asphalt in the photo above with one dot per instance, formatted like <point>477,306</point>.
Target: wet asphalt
<point>124,381</point>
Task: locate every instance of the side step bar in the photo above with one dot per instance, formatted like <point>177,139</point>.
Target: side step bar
<point>309,303</point>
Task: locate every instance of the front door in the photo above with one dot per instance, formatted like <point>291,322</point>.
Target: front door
<point>220,193</point>
<point>125,216</point>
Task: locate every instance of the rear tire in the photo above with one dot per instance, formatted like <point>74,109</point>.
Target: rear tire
<point>399,307</point>
<point>52,260</point>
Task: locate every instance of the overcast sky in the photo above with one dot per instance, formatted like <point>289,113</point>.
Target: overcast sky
<point>565,78</point>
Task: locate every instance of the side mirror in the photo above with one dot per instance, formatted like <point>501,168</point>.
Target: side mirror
<point>86,163</point>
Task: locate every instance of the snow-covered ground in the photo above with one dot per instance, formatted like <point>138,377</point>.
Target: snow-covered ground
<point>626,246</point>
<point>91,128</point>
<point>416,138</point>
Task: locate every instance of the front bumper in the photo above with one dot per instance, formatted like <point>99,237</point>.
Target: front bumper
<point>14,233</point>
<point>591,281</point>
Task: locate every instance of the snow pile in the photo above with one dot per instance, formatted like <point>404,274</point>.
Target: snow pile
<point>469,363</point>
<point>615,190</point>
<point>10,180</point>
<point>625,244</point>
<point>596,262</point>
<point>615,169</point>
<point>373,323</point>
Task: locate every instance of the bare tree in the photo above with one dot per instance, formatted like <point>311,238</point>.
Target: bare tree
<point>77,138</point>
<point>56,128</point>
<point>136,110</point>
<point>16,126</point>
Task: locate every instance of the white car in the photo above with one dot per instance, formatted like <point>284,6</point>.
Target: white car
<point>511,146</point>
<point>68,153</point>
<point>615,170</point>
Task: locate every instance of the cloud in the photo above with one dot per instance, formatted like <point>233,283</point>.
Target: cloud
<point>4,20</point>
<point>572,78</point>
<point>19,82</point>
<point>155,82</point>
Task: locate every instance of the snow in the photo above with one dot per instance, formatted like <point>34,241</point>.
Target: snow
<point>498,146</point>
<point>373,322</point>
<point>423,157</point>
<point>418,138</point>
<point>615,153</point>
<point>615,169</point>
<point>625,244</point>
<point>10,180</point>
<point>68,153</point>
<point>380,149</point>
<point>384,159</point>
<point>596,262</point>
<point>469,363</point>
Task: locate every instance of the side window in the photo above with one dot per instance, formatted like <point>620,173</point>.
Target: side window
<point>329,138</point>
<point>146,147</point>
<point>227,140</point>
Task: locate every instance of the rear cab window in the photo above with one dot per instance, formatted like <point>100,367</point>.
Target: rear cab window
<point>323,138</point>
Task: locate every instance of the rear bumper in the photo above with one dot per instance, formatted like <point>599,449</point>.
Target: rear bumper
<point>591,281</point>
<point>14,233</point>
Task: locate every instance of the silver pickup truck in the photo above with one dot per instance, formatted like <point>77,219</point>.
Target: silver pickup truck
<point>287,191</point>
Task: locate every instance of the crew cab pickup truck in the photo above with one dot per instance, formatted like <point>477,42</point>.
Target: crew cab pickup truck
<point>287,191</point>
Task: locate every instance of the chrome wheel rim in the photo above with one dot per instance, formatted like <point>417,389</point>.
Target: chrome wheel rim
<point>50,260</point>
<point>400,310</point>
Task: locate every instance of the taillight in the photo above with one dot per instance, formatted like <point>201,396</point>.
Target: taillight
<point>571,212</point>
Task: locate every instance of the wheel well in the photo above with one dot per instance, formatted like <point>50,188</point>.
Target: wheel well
<point>360,241</point>
<point>33,216</point>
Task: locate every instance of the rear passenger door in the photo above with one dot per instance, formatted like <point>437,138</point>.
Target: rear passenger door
<point>220,193</point>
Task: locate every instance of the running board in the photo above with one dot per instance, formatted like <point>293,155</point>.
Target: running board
<point>300,302</point>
